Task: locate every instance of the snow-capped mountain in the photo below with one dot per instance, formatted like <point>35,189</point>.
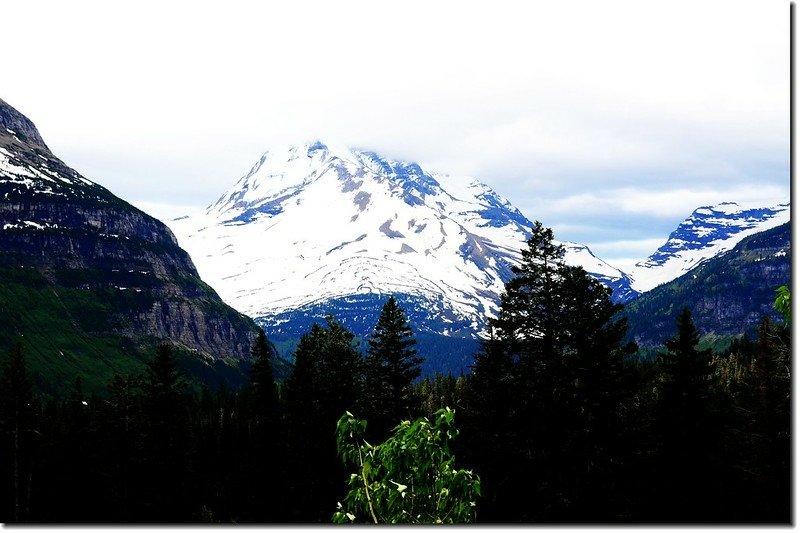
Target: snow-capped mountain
<point>706,233</point>
<point>317,224</point>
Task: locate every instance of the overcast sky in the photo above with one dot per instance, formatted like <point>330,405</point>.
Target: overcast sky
<point>608,121</point>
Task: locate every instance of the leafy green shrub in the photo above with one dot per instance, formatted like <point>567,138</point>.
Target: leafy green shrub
<point>410,478</point>
<point>783,303</point>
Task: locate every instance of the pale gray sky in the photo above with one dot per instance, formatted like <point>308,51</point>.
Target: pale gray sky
<point>607,120</point>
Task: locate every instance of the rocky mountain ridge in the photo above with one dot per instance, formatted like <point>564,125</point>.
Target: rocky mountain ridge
<point>708,232</point>
<point>88,247</point>
<point>728,294</point>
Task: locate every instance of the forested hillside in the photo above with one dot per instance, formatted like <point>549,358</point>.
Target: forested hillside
<point>90,285</point>
<point>728,295</point>
<point>558,422</point>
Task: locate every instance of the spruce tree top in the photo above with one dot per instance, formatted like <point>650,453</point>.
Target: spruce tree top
<point>683,362</point>
<point>261,369</point>
<point>391,345</point>
<point>392,330</point>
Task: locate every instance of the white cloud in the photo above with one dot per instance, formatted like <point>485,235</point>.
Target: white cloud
<point>570,109</point>
<point>659,203</point>
<point>624,254</point>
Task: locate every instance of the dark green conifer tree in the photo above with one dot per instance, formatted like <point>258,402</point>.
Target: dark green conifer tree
<point>17,417</point>
<point>769,424</point>
<point>685,382</point>
<point>488,426</point>
<point>686,426</point>
<point>262,380</point>
<point>123,426</point>
<point>263,470</point>
<point>391,366</point>
<point>557,334</point>
<point>166,440</point>
<point>528,330</point>
<point>597,384</point>
<point>325,382</point>
<point>73,466</point>
<point>529,308</point>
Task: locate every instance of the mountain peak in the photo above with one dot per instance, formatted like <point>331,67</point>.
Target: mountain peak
<point>17,128</point>
<point>27,166</point>
<point>283,171</point>
<point>116,282</point>
<point>707,232</point>
<point>316,145</point>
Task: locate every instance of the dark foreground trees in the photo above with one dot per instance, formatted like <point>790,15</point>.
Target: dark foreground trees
<point>686,420</point>
<point>557,420</point>
<point>547,389</point>
<point>326,382</point>
<point>563,426</point>
<point>17,429</point>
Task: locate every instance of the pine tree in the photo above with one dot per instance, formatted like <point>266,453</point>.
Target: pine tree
<point>165,381</point>
<point>528,330</point>
<point>16,417</point>
<point>529,307</point>
<point>591,334</point>
<point>686,424</point>
<point>391,366</point>
<point>341,369</point>
<point>686,373</point>
<point>123,423</point>
<point>325,382</point>
<point>167,438</point>
<point>262,380</point>
<point>488,427</point>
<point>75,474</point>
<point>556,352</point>
<point>770,422</point>
<point>263,468</point>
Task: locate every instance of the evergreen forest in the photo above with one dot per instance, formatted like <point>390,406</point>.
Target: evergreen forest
<point>559,422</point>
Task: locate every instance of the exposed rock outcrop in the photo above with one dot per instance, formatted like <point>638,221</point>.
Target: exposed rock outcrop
<point>78,236</point>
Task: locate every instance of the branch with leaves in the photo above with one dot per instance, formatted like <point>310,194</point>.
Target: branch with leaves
<point>410,478</point>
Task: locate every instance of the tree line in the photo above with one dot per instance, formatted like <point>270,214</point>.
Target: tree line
<point>558,422</point>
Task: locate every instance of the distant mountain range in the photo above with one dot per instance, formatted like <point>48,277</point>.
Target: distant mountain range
<point>90,284</point>
<point>314,229</point>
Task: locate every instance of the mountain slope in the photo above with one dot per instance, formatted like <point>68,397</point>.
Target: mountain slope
<point>89,282</point>
<point>727,295</point>
<point>706,233</point>
<point>315,225</point>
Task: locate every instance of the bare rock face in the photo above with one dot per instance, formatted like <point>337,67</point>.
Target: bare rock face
<point>87,243</point>
<point>21,127</point>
